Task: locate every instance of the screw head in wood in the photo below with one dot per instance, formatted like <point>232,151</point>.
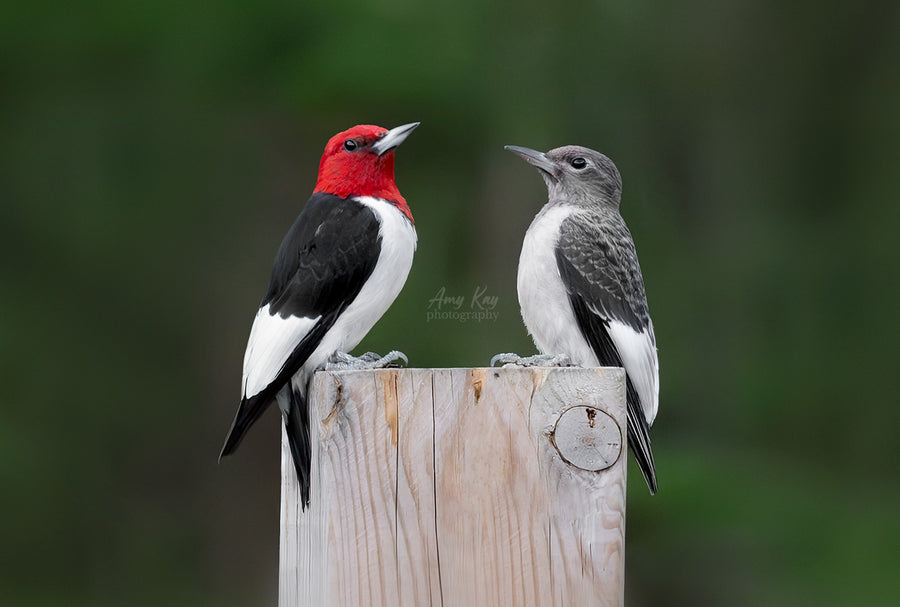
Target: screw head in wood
<point>587,438</point>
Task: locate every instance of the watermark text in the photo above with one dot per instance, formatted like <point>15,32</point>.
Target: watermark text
<point>451,306</point>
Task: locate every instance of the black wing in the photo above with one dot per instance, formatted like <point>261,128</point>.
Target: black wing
<point>322,264</point>
<point>599,268</point>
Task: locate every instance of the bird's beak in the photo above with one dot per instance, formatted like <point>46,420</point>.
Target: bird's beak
<point>393,138</point>
<point>533,157</point>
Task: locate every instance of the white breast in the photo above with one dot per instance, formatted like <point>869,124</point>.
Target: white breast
<point>545,304</point>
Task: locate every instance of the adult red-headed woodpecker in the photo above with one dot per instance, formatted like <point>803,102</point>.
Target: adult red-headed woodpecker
<point>340,266</point>
<point>580,285</point>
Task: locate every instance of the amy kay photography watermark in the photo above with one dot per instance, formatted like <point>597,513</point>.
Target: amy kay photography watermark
<point>444,306</point>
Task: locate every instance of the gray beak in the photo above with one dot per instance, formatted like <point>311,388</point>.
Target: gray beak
<point>533,157</point>
<point>393,138</point>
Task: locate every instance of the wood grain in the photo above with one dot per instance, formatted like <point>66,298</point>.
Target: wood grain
<point>445,487</point>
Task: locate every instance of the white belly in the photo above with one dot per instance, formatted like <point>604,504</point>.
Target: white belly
<point>545,304</point>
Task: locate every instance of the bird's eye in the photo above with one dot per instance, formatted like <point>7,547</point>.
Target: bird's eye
<point>350,145</point>
<point>579,163</point>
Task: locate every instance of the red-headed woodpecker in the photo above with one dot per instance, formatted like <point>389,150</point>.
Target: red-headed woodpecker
<point>580,285</point>
<point>340,266</point>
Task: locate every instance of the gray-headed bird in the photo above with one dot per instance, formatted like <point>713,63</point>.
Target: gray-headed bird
<point>580,285</point>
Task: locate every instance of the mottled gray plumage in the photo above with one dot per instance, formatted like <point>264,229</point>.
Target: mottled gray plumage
<point>580,284</point>
<point>602,251</point>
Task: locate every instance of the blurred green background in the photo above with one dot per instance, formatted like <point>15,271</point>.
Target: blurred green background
<point>154,153</point>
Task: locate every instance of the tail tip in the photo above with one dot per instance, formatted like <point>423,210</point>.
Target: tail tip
<point>228,448</point>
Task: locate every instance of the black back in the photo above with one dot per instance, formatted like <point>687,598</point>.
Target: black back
<point>321,266</point>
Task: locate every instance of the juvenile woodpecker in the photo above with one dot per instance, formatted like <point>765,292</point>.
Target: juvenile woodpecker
<point>580,286</point>
<point>340,266</point>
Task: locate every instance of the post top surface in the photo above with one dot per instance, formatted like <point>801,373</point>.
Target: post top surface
<point>483,369</point>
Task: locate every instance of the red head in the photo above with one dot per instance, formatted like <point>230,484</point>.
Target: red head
<point>360,162</point>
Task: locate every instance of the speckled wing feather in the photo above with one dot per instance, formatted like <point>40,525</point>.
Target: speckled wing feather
<point>599,267</point>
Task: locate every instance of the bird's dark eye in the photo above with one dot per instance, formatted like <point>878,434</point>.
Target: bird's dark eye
<point>579,163</point>
<point>350,145</point>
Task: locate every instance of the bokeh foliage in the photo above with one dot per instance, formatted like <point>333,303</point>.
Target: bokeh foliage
<point>154,153</point>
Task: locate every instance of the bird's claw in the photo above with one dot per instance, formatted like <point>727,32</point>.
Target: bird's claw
<point>341,361</point>
<point>510,359</point>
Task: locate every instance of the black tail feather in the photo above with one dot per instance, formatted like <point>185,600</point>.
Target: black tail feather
<point>296,422</point>
<point>639,438</point>
<point>249,411</point>
<point>596,331</point>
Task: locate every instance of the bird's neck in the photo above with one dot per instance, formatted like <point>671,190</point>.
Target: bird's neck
<point>375,180</point>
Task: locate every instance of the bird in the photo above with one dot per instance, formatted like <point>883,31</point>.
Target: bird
<point>580,288</point>
<point>339,268</point>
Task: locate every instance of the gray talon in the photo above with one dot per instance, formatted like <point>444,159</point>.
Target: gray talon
<point>341,361</point>
<point>505,358</point>
<point>538,360</point>
<point>389,359</point>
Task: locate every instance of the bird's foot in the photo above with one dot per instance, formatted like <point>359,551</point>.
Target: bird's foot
<point>538,360</point>
<point>341,361</point>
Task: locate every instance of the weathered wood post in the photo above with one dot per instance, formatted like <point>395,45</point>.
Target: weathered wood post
<point>486,487</point>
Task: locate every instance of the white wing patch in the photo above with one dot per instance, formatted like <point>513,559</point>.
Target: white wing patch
<point>272,339</point>
<point>638,353</point>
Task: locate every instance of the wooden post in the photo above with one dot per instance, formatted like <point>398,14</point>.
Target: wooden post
<point>459,487</point>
